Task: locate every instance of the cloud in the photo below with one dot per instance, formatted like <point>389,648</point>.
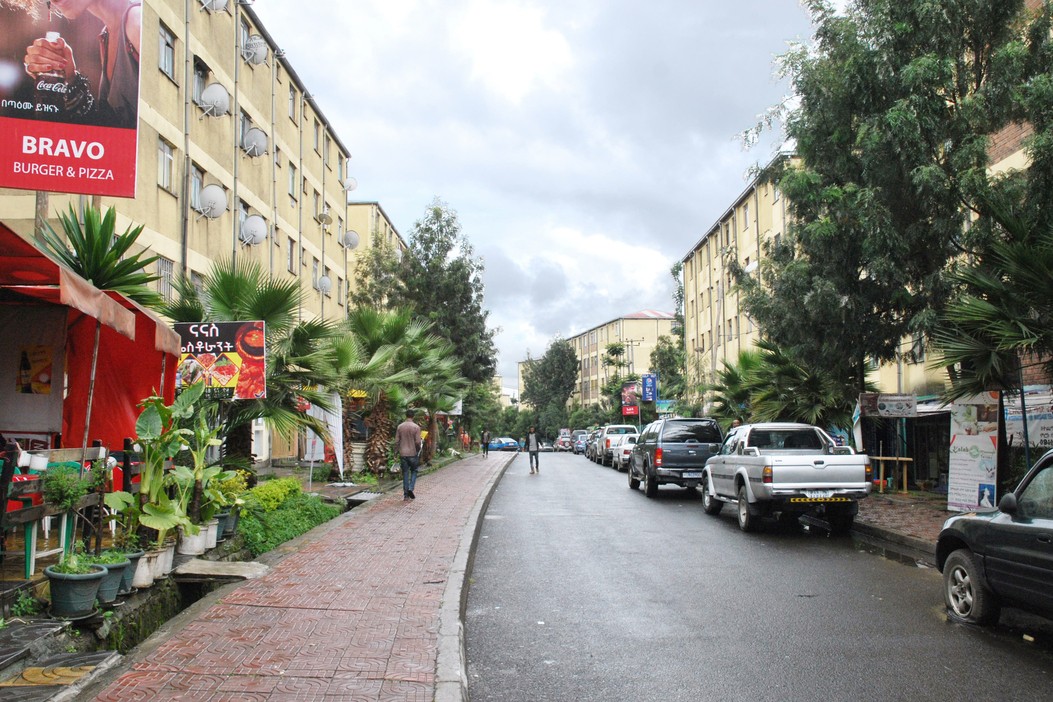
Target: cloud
<point>585,144</point>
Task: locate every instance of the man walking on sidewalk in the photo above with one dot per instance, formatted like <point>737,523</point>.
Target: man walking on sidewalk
<point>533,447</point>
<point>486,442</point>
<point>408,440</point>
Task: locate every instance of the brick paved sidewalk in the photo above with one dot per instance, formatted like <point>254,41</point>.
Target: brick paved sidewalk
<point>913,519</point>
<point>354,614</point>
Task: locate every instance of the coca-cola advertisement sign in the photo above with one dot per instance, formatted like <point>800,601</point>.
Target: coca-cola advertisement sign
<point>69,95</point>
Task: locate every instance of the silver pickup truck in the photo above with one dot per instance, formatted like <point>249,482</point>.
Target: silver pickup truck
<point>793,470</point>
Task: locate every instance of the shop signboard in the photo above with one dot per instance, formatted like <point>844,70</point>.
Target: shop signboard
<point>973,453</point>
<point>1039,418</point>
<point>68,121</point>
<point>875,404</point>
<point>230,357</point>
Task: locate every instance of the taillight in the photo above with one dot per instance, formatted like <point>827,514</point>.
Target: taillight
<point>766,475</point>
<point>870,471</point>
<point>608,443</point>
<point>657,457</point>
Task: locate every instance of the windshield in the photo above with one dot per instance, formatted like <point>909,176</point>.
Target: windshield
<point>806,439</point>
<point>621,430</point>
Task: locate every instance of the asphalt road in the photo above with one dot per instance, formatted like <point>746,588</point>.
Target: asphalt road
<point>584,590</point>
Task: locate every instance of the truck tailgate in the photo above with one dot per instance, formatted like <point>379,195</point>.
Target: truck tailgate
<point>814,472</point>
<point>687,455</point>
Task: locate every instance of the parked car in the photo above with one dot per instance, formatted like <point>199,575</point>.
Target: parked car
<point>564,443</point>
<point>545,447</point>
<point>590,444</point>
<point>504,443</point>
<point>1002,556</point>
<point>622,452</point>
<point>673,451</point>
<point>609,438</point>
<point>579,443</point>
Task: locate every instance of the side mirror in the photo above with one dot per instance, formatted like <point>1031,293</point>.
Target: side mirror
<point>1007,504</point>
<point>750,451</point>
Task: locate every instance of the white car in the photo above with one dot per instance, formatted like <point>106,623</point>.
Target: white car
<point>622,453</point>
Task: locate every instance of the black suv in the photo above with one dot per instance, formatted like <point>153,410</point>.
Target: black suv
<point>673,451</point>
<point>1002,556</point>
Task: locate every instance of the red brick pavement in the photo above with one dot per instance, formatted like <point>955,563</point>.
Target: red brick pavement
<point>916,515</point>
<point>340,618</point>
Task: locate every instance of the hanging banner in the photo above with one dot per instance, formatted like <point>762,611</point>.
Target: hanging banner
<point>69,103</point>
<point>874,404</point>
<point>1039,418</point>
<point>650,387</point>
<point>230,357</point>
<point>973,453</point>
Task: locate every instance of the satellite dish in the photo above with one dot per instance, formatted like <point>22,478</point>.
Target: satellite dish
<point>214,5</point>
<point>254,142</point>
<point>323,217</point>
<point>350,184</point>
<point>255,49</point>
<point>213,201</point>
<point>253,230</point>
<point>350,239</point>
<point>325,284</point>
<point>215,100</point>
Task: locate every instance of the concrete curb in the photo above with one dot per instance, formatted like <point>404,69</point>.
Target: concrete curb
<point>907,547</point>
<point>451,670</point>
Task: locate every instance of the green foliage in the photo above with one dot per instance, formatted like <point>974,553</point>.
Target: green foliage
<point>74,563</point>
<point>295,515</point>
<point>26,605</point>
<point>96,253</point>
<point>667,360</point>
<point>364,478</point>
<point>897,99</point>
<point>106,557</point>
<point>270,495</point>
<point>63,486</point>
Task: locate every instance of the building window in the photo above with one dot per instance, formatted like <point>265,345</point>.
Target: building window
<point>340,168</point>
<point>327,143</point>
<point>325,273</point>
<point>166,52</point>
<point>317,204</point>
<point>197,281</point>
<point>293,97</point>
<point>340,292</point>
<point>197,181</point>
<point>243,213</point>
<point>294,182</point>
<point>245,123</point>
<point>165,271</point>
<point>165,164</point>
<point>201,73</point>
<point>246,32</point>
<point>746,215</point>
<point>775,194</point>
<point>317,136</point>
<point>290,256</point>
<point>314,272</point>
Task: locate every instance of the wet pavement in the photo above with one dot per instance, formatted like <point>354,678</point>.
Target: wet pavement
<point>369,606</point>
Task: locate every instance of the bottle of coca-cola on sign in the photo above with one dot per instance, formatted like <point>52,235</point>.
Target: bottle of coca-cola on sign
<point>51,89</point>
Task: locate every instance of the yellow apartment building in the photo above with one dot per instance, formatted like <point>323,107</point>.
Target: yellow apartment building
<point>637,332</point>
<point>236,160</point>
<point>716,326</point>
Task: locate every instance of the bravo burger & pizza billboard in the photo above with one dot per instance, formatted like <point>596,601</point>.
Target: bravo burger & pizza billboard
<point>69,95</point>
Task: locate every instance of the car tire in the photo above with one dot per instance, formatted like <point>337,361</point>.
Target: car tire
<point>747,522</point>
<point>634,482</point>
<point>650,483</point>
<point>967,597</point>
<point>710,504</point>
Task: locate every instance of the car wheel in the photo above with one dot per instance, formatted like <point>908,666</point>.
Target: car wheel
<point>650,483</point>
<point>747,522</point>
<point>710,504</point>
<point>968,599</point>
<point>634,482</point>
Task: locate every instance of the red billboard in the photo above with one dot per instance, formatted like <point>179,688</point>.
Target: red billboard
<point>69,95</point>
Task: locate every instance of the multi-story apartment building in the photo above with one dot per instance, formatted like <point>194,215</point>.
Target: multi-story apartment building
<point>716,327</point>
<point>637,333</point>
<point>236,160</point>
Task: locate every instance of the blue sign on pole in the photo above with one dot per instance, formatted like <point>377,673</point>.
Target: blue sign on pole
<point>650,387</point>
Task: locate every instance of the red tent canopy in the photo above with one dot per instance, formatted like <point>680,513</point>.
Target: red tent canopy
<point>137,354</point>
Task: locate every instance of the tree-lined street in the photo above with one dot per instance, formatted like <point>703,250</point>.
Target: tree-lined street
<point>585,590</point>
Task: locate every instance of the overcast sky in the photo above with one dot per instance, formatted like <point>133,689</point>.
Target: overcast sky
<point>586,145</point>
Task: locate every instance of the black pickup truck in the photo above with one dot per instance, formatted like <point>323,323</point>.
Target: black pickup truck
<point>673,451</point>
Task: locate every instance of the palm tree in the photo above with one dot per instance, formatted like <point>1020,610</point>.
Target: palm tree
<point>731,393</point>
<point>440,385</point>
<point>392,339</point>
<point>303,356</point>
<point>95,252</point>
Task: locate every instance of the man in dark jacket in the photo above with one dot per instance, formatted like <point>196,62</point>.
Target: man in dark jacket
<point>533,448</point>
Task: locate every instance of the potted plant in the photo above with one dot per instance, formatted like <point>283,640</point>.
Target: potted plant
<point>63,487</point>
<point>232,488</point>
<point>115,563</point>
<point>74,585</point>
<point>196,490</point>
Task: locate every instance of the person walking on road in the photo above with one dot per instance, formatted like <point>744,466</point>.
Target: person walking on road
<point>533,447</point>
<point>409,442</point>
<point>485,440</point>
